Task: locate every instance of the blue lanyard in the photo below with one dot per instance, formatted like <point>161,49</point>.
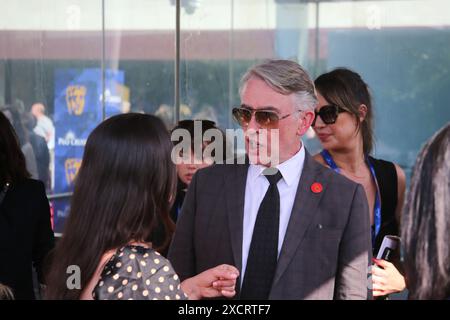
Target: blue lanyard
<point>377,207</point>
<point>178,210</point>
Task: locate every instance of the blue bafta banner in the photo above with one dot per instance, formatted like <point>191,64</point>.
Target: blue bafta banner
<point>78,110</point>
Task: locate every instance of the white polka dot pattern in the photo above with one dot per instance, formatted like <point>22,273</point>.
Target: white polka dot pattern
<point>138,273</point>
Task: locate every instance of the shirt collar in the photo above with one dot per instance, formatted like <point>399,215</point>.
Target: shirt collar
<point>290,169</point>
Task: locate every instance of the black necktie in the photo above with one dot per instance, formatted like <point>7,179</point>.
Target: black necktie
<point>263,254</point>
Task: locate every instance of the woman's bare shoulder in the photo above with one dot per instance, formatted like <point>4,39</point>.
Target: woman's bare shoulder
<point>319,159</point>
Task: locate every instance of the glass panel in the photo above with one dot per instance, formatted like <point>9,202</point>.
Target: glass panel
<point>401,49</point>
<point>53,54</point>
<point>140,52</point>
<point>221,39</point>
<point>50,53</point>
<point>393,44</point>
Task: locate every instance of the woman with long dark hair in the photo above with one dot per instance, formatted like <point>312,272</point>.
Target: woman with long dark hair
<point>25,230</point>
<point>426,221</point>
<point>344,126</point>
<point>123,191</point>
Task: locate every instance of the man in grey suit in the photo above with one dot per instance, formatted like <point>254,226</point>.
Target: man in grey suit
<point>299,232</point>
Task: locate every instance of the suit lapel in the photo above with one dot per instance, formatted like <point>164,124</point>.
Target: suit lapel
<point>235,194</point>
<point>305,205</point>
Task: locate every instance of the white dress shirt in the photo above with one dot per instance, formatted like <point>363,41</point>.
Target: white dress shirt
<point>255,190</point>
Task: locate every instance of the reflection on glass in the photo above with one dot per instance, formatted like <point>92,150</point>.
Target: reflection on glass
<point>401,49</point>
<point>51,59</point>
<point>140,45</point>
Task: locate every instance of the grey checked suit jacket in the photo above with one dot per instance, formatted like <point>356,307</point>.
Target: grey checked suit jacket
<point>326,249</point>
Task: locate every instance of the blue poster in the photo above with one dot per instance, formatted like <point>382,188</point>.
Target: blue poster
<point>78,110</point>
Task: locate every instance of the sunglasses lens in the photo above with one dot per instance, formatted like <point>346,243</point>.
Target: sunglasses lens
<point>266,118</point>
<point>242,116</point>
<point>328,114</point>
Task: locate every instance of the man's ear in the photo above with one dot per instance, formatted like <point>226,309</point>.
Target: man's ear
<point>305,121</point>
<point>362,112</point>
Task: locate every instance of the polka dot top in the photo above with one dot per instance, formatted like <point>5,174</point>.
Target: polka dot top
<point>138,273</point>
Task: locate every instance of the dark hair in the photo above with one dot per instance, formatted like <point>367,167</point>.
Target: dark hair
<point>12,161</point>
<point>205,125</point>
<point>426,222</point>
<point>123,191</point>
<point>346,89</point>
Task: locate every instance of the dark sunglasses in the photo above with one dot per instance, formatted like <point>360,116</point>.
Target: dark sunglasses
<point>265,118</point>
<point>328,114</point>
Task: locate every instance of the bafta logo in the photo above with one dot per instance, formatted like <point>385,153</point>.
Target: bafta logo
<point>72,165</point>
<point>75,99</point>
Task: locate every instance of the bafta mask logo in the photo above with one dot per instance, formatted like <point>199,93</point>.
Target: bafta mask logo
<point>72,165</point>
<point>75,99</point>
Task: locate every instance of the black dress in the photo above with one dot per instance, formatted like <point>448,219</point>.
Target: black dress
<point>138,273</point>
<point>179,199</point>
<point>388,183</point>
<point>160,234</point>
<point>26,236</point>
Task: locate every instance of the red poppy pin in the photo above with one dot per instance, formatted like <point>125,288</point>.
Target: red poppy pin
<point>316,187</point>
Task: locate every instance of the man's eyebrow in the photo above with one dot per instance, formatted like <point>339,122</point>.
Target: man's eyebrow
<point>266,108</point>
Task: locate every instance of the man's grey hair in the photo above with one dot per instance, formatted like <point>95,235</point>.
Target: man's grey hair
<point>285,77</point>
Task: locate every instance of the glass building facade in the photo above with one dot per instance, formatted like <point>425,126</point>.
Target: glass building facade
<point>85,60</point>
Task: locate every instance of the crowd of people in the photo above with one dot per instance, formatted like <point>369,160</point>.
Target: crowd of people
<point>288,226</point>
<point>36,135</point>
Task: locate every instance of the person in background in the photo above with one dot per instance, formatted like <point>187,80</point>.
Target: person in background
<point>46,129</point>
<point>124,189</point>
<point>187,165</point>
<point>426,221</point>
<point>187,169</point>
<point>40,149</point>
<point>16,120</point>
<point>26,236</point>
<point>44,126</point>
<point>344,126</point>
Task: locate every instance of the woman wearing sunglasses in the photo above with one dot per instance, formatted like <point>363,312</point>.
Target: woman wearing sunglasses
<point>344,126</point>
